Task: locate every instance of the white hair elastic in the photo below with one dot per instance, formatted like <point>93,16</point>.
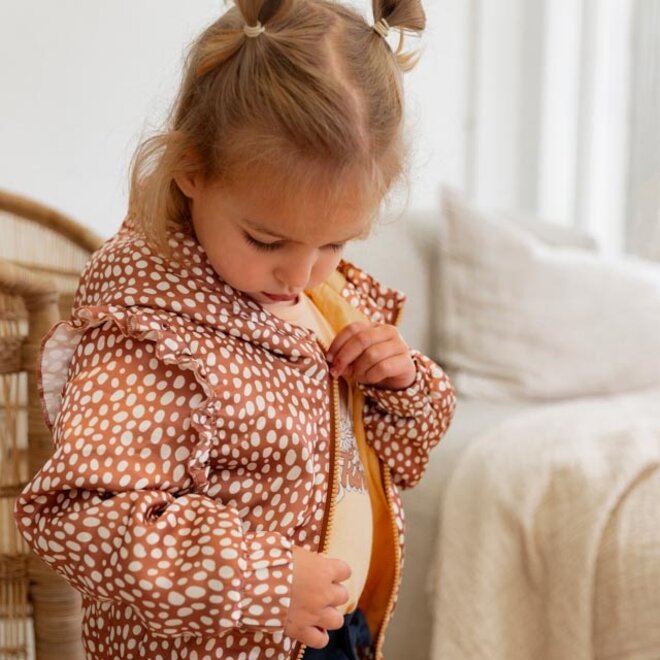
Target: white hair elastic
<point>382,27</point>
<point>253,30</point>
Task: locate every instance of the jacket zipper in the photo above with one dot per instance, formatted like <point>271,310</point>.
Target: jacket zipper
<point>387,479</point>
<point>397,572</point>
<point>299,649</point>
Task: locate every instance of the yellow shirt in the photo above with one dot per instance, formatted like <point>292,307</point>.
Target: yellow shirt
<point>351,534</point>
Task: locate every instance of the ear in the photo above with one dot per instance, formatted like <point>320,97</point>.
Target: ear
<point>188,183</point>
<point>187,177</point>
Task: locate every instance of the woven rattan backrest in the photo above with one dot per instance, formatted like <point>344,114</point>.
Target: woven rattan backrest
<point>42,253</point>
<point>46,242</point>
<point>15,291</point>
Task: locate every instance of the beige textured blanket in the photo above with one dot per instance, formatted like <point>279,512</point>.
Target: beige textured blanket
<point>534,515</point>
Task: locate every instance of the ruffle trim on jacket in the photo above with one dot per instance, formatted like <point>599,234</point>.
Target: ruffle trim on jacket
<point>59,345</point>
<point>379,302</point>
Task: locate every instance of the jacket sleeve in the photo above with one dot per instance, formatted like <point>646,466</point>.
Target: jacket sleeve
<point>403,426</point>
<point>113,510</point>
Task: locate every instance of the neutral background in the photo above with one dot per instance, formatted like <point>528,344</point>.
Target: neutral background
<point>549,106</point>
<point>82,81</point>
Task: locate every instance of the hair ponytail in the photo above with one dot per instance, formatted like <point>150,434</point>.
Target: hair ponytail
<point>226,41</point>
<point>264,10</point>
<point>409,17</point>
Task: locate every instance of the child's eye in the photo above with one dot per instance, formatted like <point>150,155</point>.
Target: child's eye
<point>266,247</point>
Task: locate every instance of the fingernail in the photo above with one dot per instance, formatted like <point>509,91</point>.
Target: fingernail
<point>330,357</point>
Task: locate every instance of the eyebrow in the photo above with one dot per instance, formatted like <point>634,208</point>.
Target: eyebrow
<point>264,230</point>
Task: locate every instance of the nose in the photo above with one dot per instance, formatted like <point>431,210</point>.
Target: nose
<point>295,274</point>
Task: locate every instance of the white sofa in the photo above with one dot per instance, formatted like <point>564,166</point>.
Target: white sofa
<point>611,611</point>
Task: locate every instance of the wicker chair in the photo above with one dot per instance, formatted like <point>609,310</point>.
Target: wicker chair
<point>41,255</point>
<point>45,242</point>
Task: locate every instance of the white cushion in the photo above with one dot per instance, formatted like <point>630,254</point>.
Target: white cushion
<point>397,256</point>
<point>519,318</point>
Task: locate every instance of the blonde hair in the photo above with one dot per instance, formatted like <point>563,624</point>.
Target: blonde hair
<point>316,97</point>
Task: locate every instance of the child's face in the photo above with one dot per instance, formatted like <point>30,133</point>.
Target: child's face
<point>262,245</point>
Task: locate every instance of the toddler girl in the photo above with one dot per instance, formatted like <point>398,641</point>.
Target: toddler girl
<point>233,408</point>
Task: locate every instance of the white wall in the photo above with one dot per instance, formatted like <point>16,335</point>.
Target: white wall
<point>80,81</point>
<point>643,230</point>
<point>551,111</point>
<point>523,105</point>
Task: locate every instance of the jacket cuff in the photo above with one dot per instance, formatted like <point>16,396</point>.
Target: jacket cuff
<point>413,401</point>
<point>268,579</point>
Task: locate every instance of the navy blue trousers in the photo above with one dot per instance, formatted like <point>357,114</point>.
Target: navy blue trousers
<point>344,641</point>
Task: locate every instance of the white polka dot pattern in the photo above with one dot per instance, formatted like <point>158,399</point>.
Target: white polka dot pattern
<point>135,531</point>
<point>414,420</point>
<point>192,446</point>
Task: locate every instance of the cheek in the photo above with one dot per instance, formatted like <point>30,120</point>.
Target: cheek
<point>232,263</point>
<point>326,265</point>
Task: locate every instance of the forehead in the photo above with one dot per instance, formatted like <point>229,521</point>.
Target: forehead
<point>311,212</point>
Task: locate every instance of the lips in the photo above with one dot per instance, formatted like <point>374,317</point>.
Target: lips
<point>278,298</point>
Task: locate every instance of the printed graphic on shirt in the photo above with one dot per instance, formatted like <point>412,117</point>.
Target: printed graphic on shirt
<point>352,474</point>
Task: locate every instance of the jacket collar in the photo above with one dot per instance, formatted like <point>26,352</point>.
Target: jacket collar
<point>128,272</point>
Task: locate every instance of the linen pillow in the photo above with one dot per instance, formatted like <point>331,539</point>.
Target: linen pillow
<point>519,318</point>
<point>394,255</point>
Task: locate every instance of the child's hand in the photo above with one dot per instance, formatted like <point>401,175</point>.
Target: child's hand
<point>316,593</point>
<point>373,354</point>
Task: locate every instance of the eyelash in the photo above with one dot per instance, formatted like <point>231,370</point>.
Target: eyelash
<point>266,247</point>
<point>269,247</point>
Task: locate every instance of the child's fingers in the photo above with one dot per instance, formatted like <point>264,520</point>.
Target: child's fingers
<point>340,595</point>
<point>341,570</point>
<point>358,342</point>
<point>389,370</point>
<point>316,637</point>
<point>373,355</point>
<point>330,619</point>
<point>345,335</point>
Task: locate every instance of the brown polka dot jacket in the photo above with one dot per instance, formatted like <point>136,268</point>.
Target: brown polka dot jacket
<point>195,444</point>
